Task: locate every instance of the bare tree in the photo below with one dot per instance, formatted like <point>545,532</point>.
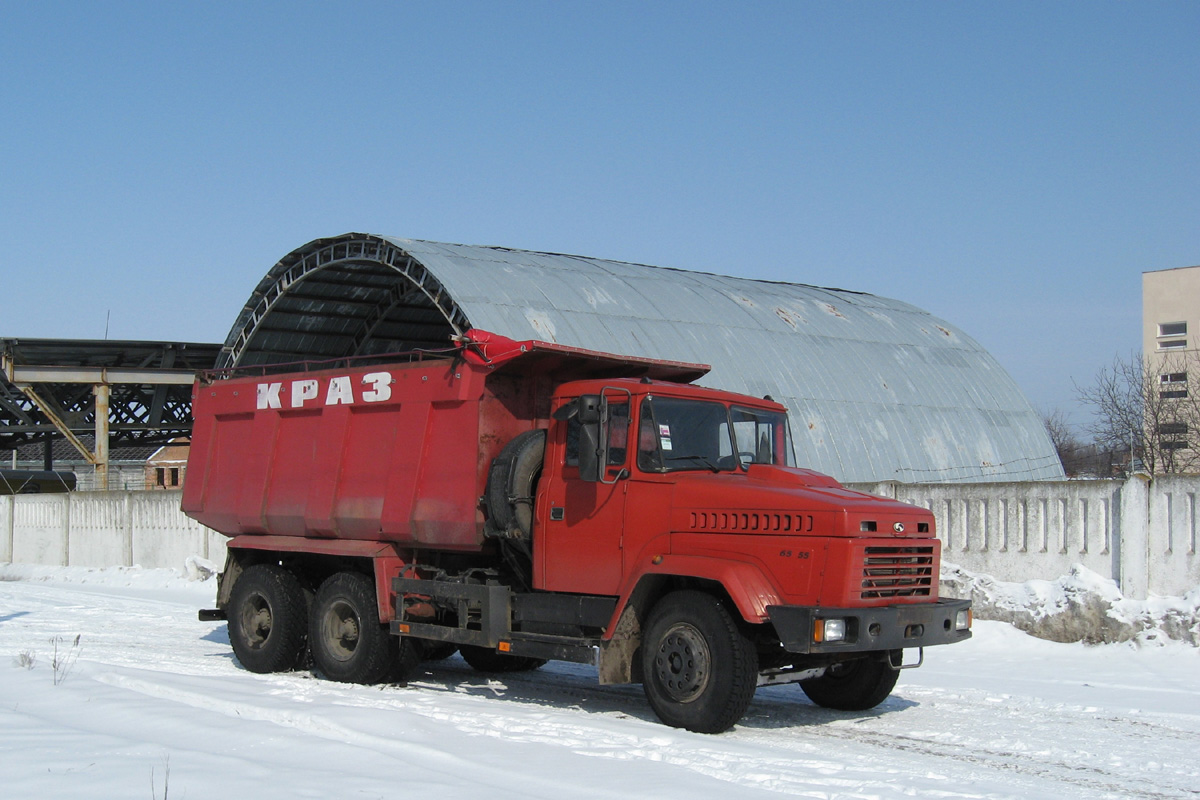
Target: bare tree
<point>1071,451</point>
<point>1148,411</point>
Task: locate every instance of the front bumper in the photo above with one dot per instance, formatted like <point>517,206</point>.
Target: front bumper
<point>869,629</point>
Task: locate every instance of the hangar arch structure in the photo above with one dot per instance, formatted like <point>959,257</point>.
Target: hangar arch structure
<point>878,389</point>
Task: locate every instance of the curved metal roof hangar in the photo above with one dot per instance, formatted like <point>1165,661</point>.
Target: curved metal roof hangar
<point>878,389</point>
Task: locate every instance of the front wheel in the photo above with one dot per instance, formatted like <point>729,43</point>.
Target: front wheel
<point>699,670</point>
<point>853,685</point>
<point>348,642</point>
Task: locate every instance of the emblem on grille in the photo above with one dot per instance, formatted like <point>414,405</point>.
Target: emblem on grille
<point>898,527</point>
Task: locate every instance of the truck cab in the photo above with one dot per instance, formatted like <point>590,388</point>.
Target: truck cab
<point>621,459</point>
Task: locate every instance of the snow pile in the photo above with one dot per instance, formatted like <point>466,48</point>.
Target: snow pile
<point>1081,606</point>
<point>196,569</point>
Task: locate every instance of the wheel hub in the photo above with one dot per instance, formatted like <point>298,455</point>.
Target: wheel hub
<point>256,622</point>
<point>682,664</point>
<point>340,628</point>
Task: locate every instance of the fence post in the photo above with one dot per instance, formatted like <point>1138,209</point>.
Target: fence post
<point>1131,543</point>
<point>128,554</point>
<point>6,521</point>
<point>66,529</point>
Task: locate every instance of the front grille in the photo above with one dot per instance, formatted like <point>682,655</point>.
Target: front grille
<point>897,572</point>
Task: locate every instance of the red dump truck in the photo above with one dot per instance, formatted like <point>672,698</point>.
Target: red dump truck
<point>526,501</point>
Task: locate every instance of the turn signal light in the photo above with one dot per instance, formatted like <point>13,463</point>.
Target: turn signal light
<point>829,630</point>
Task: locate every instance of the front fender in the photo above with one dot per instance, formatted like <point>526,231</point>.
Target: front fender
<point>749,589</point>
<point>747,586</point>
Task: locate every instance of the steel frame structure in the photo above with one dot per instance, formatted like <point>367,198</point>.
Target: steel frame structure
<point>125,392</point>
<point>334,296</point>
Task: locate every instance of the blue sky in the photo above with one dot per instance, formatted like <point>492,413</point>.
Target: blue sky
<point>1010,167</point>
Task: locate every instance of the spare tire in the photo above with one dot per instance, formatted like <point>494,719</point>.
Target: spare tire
<point>512,481</point>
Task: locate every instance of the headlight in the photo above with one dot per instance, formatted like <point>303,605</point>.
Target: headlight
<point>962,620</point>
<point>830,630</point>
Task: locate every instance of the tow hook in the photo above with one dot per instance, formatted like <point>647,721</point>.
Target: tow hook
<point>902,665</point>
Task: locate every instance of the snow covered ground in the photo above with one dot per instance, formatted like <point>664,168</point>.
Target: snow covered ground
<point>151,703</point>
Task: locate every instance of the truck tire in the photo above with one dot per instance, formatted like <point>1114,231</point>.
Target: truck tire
<point>512,480</point>
<point>853,685</point>
<point>437,651</point>
<point>699,671</point>
<point>348,643</point>
<point>268,619</point>
<point>485,659</point>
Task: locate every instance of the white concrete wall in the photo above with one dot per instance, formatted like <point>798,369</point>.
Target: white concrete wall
<point>1140,533</point>
<point>104,529</point>
<point>1172,540</point>
<point>40,532</point>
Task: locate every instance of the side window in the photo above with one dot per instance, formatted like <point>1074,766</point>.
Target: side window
<point>618,436</point>
<point>618,433</point>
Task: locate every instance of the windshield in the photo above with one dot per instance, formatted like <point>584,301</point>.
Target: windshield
<point>679,434</point>
<point>762,437</point>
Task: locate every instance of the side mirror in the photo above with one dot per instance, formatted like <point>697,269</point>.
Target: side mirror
<point>593,444</point>
<point>591,409</point>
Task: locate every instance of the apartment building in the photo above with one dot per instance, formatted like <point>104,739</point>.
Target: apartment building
<point>1170,353</point>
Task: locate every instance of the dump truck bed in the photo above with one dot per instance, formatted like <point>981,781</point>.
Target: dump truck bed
<point>396,452</point>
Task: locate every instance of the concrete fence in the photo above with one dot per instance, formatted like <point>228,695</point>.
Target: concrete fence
<point>1141,533</point>
<point>103,529</point>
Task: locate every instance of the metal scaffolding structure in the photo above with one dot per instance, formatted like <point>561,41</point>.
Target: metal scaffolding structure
<point>124,392</point>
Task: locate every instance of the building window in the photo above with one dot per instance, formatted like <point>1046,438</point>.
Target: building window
<point>1178,432</point>
<point>160,477</point>
<point>1167,333</point>
<point>1173,385</point>
<point>174,476</point>
<point>1172,329</point>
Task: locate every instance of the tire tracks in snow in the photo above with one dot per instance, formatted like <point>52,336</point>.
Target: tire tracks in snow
<point>1042,762</point>
<point>1113,781</point>
<point>739,766</point>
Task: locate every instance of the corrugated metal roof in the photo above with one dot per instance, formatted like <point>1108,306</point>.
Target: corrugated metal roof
<point>878,389</point>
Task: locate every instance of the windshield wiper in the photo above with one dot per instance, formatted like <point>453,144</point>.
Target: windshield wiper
<point>702,459</point>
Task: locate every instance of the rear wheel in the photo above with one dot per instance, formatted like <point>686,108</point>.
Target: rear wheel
<point>485,659</point>
<point>699,671</point>
<point>437,651</point>
<point>853,685</point>
<point>348,642</point>
<point>268,619</point>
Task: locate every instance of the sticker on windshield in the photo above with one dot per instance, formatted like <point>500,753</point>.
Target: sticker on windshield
<point>664,435</point>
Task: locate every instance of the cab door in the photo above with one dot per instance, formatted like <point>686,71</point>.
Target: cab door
<point>580,549</point>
